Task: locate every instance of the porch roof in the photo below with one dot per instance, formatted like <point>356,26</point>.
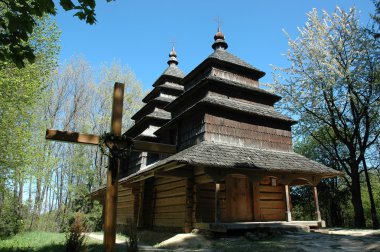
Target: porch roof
<point>221,155</point>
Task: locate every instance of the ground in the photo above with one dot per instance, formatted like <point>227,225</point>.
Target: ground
<point>321,240</point>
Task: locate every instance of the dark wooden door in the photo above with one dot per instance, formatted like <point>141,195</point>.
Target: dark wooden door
<point>238,199</point>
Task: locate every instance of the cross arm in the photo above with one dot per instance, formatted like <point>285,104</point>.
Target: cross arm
<point>73,137</point>
<point>153,147</point>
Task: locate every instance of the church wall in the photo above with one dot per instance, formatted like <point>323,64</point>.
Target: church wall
<point>231,129</point>
<point>169,202</point>
<point>272,204</point>
<point>190,131</point>
<point>125,205</point>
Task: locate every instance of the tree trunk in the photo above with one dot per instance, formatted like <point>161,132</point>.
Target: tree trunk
<point>356,199</point>
<point>375,220</point>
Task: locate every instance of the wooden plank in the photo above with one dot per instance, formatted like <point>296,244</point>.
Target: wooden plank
<point>273,217</point>
<point>169,209</point>
<point>163,181</point>
<point>169,194</point>
<point>272,196</point>
<point>256,201</point>
<point>177,215</point>
<point>265,188</point>
<point>272,204</point>
<point>169,222</point>
<point>171,201</point>
<point>171,186</point>
<point>73,137</point>
<point>189,205</point>
<point>239,198</point>
<point>153,147</point>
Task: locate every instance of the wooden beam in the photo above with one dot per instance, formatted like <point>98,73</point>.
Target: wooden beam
<point>112,172</point>
<point>153,147</point>
<point>73,137</point>
<point>256,201</point>
<point>181,173</point>
<point>316,201</point>
<point>287,201</point>
<point>217,203</point>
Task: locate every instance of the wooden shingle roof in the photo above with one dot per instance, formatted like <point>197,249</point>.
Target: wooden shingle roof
<point>220,155</point>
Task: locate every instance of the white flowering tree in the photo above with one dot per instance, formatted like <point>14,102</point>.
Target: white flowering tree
<point>332,86</point>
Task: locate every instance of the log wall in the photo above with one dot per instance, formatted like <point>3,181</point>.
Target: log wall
<point>191,131</point>
<point>125,205</point>
<point>231,131</point>
<point>272,201</point>
<point>169,202</point>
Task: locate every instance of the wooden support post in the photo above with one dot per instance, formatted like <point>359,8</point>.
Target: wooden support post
<point>287,201</point>
<point>217,203</point>
<point>256,201</point>
<point>316,201</point>
<point>112,173</point>
<point>140,216</point>
<point>189,205</point>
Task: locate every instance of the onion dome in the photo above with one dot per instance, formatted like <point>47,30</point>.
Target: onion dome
<point>172,58</point>
<point>220,42</point>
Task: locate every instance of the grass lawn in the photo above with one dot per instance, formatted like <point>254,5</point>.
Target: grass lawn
<point>45,242</point>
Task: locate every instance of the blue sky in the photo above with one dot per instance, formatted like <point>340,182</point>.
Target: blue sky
<point>137,33</point>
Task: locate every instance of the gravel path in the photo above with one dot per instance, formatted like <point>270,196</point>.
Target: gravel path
<point>319,241</point>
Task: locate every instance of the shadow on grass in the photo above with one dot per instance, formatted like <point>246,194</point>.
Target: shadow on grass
<point>62,248</point>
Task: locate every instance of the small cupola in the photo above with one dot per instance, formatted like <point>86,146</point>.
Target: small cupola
<point>172,58</point>
<point>220,42</point>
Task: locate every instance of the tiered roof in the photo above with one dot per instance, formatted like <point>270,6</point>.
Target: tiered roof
<point>225,83</point>
<point>153,115</point>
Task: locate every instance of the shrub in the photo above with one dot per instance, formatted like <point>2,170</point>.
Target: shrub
<point>131,232</point>
<point>75,238</point>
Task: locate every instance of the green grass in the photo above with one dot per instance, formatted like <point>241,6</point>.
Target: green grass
<point>45,242</point>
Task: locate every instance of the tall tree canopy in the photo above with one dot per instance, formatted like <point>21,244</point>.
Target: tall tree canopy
<point>18,19</point>
<point>333,87</point>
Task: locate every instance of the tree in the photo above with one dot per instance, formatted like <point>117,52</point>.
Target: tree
<point>20,92</point>
<point>19,18</point>
<point>333,86</point>
<point>76,99</point>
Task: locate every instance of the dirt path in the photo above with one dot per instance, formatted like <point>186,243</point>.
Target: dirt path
<point>319,241</point>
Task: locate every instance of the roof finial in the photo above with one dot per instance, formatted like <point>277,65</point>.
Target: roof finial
<point>220,42</point>
<point>172,55</point>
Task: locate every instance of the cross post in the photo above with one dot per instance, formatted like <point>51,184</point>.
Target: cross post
<point>112,172</point>
<point>114,143</point>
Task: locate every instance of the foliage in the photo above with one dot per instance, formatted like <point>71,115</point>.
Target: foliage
<point>10,220</point>
<point>75,238</point>
<point>332,85</point>
<point>19,18</point>
<point>65,174</point>
<point>46,242</point>
<point>32,241</point>
<point>131,232</point>
<point>19,95</point>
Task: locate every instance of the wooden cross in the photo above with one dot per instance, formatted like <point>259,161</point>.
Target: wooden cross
<point>173,42</point>
<point>217,19</point>
<point>115,142</point>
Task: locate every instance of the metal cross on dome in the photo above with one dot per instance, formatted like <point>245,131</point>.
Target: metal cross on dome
<point>115,142</point>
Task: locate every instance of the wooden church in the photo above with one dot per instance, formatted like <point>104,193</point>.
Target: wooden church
<point>234,164</point>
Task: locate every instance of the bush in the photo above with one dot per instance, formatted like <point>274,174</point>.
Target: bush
<point>75,238</point>
<point>11,220</point>
<point>131,232</point>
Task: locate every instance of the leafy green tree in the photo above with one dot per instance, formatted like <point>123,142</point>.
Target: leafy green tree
<point>333,86</point>
<point>333,192</point>
<point>19,18</point>
<point>20,92</point>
